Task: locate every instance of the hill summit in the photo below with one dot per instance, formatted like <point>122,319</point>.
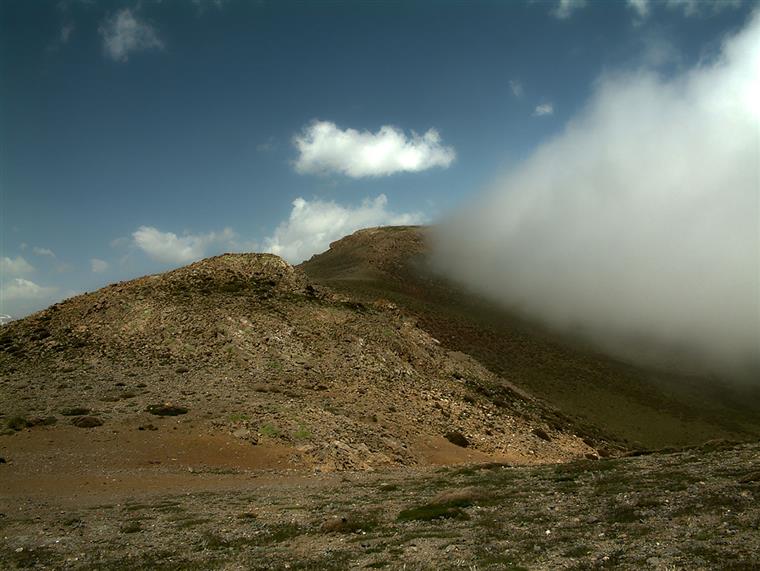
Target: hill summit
<point>245,351</point>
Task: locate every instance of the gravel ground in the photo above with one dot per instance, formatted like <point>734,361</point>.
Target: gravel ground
<point>694,509</point>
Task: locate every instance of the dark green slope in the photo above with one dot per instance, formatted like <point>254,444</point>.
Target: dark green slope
<point>632,405</point>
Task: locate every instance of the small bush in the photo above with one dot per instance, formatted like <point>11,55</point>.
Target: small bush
<point>542,434</point>
<point>166,410</point>
<point>131,527</point>
<point>446,505</point>
<point>17,423</point>
<point>75,411</point>
<point>42,421</point>
<point>352,523</point>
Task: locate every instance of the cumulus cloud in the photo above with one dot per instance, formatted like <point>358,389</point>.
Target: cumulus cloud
<point>312,225</point>
<point>167,247</point>
<point>637,226</point>
<point>543,109</point>
<point>43,252</point>
<point>123,34</point>
<point>23,289</point>
<point>323,147</point>
<point>565,8</point>
<point>17,266</point>
<point>98,266</point>
<point>641,7</point>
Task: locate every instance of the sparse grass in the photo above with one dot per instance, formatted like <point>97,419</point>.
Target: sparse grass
<point>283,532</point>
<point>430,512</point>
<point>447,505</point>
<point>302,433</point>
<point>17,423</point>
<point>189,522</point>
<point>269,430</point>
<point>238,417</point>
<point>623,514</point>
<point>580,550</point>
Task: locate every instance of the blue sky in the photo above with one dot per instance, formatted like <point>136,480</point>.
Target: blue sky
<point>138,136</point>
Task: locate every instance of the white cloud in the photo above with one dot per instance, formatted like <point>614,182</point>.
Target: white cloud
<point>17,266</point>
<point>323,147</point>
<point>565,8</point>
<point>124,34</point>
<point>697,7</point>
<point>312,225</point>
<point>167,247</point>
<point>641,7</point>
<point>119,242</point>
<point>98,266</point>
<point>516,87</point>
<point>543,109</point>
<point>22,289</point>
<point>43,252</point>
<point>638,225</point>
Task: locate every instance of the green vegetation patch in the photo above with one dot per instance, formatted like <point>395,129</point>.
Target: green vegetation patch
<point>447,505</point>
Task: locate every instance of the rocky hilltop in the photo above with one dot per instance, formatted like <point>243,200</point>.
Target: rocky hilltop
<point>246,347</point>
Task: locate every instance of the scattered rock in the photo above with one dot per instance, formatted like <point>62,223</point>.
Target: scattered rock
<point>147,427</point>
<point>542,434</point>
<point>456,437</point>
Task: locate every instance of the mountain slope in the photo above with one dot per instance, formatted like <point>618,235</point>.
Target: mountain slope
<point>260,356</point>
<point>633,405</point>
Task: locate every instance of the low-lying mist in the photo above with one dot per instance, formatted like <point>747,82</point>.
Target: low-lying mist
<point>638,226</point>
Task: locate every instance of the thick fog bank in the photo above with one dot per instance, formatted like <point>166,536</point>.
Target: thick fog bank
<point>638,226</point>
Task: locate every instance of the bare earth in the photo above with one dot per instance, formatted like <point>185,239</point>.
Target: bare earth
<point>690,510</point>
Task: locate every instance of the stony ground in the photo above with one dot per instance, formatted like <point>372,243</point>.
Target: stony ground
<point>695,509</point>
